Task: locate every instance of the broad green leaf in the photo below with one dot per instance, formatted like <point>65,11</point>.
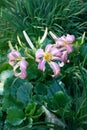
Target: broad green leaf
<point>60,103</point>
<point>4,66</point>
<point>15,116</point>
<point>30,109</point>
<point>8,102</point>
<point>33,110</point>
<point>3,77</point>
<point>61,99</point>
<point>54,87</point>
<point>39,111</point>
<point>41,88</point>
<point>24,93</point>
<point>33,72</point>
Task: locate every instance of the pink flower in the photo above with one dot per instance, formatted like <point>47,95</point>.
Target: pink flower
<point>65,42</point>
<point>18,62</point>
<point>51,53</point>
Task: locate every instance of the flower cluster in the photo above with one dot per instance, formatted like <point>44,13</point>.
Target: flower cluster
<point>17,61</point>
<point>55,52</point>
<point>56,55</point>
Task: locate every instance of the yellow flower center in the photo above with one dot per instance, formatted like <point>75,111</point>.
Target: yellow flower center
<point>48,56</point>
<point>65,43</point>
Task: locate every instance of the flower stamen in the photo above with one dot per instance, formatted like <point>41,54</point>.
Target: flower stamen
<point>48,56</point>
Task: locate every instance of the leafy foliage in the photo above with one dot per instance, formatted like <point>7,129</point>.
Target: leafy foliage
<point>59,16</point>
<point>41,102</point>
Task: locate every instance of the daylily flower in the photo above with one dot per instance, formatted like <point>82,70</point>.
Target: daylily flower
<point>50,54</point>
<point>65,41</point>
<point>18,62</point>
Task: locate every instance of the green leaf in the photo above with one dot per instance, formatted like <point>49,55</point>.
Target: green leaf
<point>83,50</point>
<point>24,93</point>
<point>38,113</point>
<point>30,109</point>
<point>33,72</point>
<point>3,77</point>
<point>54,87</point>
<point>33,110</point>
<point>61,99</point>
<point>17,92</point>
<point>15,116</point>
<point>8,102</point>
<point>4,66</point>
<point>41,88</point>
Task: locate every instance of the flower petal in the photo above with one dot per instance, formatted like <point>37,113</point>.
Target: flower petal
<point>48,48</point>
<point>70,38</point>
<point>23,65</point>
<point>64,57</point>
<point>59,42</point>
<point>23,74</point>
<point>39,55</point>
<point>13,55</point>
<point>55,67</point>
<point>55,51</point>
<point>69,48</point>
<point>41,65</point>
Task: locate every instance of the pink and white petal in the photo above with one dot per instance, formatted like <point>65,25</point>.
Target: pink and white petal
<point>48,48</point>
<point>55,51</point>
<point>15,68</point>
<point>63,38</point>
<point>69,48</point>
<point>23,65</point>
<point>15,53</point>
<point>64,57</point>
<point>56,58</point>
<point>39,53</point>
<point>61,64</point>
<point>59,42</point>
<point>10,56</point>
<point>16,74</point>
<point>41,65</point>
<point>23,75</point>
<point>70,38</point>
<point>55,67</point>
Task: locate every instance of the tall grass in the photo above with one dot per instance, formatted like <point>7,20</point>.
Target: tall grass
<point>61,16</point>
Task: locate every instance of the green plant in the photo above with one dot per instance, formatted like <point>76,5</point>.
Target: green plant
<point>61,16</point>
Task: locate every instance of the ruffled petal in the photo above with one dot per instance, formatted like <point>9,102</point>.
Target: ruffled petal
<point>23,65</point>
<point>55,51</point>
<point>15,69</point>
<point>48,48</point>
<point>55,67</point>
<point>64,57</point>
<point>70,38</point>
<point>13,56</point>
<point>69,48</point>
<point>56,58</point>
<point>41,65</point>
<point>39,55</point>
<point>59,42</point>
